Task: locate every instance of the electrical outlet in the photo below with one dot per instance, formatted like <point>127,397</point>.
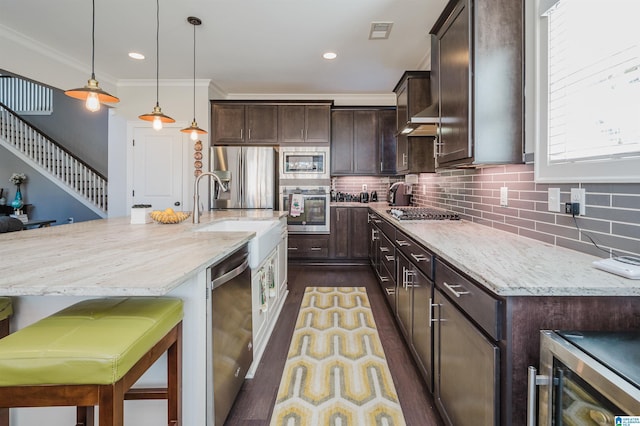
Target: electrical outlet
<point>553,199</point>
<point>424,189</point>
<point>504,196</point>
<point>579,195</point>
<point>364,187</point>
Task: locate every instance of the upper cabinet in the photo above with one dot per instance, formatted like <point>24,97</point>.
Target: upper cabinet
<point>279,122</point>
<point>245,123</point>
<point>478,58</point>
<point>304,124</point>
<point>361,141</point>
<point>413,95</point>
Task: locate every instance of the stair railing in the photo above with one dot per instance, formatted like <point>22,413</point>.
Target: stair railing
<point>54,158</point>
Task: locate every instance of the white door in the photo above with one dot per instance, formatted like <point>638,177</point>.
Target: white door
<point>158,168</point>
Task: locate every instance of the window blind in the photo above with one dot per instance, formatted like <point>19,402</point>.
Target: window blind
<point>593,80</point>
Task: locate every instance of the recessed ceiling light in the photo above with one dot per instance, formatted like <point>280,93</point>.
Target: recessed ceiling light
<point>330,55</point>
<point>136,55</point>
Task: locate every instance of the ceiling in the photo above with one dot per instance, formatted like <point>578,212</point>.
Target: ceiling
<point>243,46</point>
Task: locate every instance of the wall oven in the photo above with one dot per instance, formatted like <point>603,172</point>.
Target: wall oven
<point>586,378</point>
<point>304,162</point>
<point>314,217</point>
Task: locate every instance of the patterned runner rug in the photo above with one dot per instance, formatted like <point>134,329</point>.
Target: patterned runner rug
<point>336,372</point>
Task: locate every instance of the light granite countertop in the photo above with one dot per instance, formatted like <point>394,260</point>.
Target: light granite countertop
<point>511,265</point>
<point>111,257</point>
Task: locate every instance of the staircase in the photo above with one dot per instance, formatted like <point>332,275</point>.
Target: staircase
<point>54,161</point>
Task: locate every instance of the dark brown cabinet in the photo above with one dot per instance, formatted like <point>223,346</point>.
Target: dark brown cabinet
<point>237,123</point>
<point>479,62</point>
<point>304,124</point>
<point>361,141</point>
<point>308,246</point>
<point>349,232</point>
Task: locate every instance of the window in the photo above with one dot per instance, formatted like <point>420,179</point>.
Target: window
<point>588,69</point>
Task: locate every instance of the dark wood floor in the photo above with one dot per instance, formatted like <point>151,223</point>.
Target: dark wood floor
<point>257,397</point>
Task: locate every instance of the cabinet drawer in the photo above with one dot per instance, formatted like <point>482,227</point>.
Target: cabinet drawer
<point>388,229</point>
<point>417,254</point>
<point>308,246</point>
<point>480,306</point>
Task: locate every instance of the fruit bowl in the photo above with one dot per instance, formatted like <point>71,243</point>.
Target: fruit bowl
<point>168,216</point>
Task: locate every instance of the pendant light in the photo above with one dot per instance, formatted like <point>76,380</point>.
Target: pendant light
<point>156,116</point>
<point>194,130</point>
<point>92,94</point>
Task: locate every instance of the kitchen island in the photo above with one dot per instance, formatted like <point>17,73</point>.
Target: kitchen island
<point>112,257</point>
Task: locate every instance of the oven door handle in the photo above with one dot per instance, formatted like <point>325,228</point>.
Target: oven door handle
<point>533,381</point>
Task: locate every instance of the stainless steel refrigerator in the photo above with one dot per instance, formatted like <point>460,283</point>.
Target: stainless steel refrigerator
<point>250,174</point>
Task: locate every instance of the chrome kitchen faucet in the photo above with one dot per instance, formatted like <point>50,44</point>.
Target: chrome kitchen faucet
<point>196,193</point>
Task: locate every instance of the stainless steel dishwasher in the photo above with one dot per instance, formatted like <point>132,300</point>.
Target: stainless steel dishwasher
<point>231,331</point>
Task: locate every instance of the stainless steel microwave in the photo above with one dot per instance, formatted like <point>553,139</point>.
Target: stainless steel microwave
<point>586,378</point>
<point>302,162</point>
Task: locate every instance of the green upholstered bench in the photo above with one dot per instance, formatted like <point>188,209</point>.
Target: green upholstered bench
<point>6,310</point>
<point>91,354</point>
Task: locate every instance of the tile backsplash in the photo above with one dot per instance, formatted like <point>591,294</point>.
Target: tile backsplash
<point>353,184</point>
<point>612,217</point>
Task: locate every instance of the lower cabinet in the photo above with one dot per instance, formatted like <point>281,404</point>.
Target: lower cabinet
<point>467,362</point>
<point>349,229</point>
<point>308,246</point>
<point>269,290</point>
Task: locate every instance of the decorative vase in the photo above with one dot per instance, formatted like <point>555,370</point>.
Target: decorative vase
<point>17,201</point>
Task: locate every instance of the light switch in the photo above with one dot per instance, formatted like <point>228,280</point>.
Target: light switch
<point>504,196</point>
<point>553,200</point>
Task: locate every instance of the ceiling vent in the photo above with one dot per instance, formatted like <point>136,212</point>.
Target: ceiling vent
<point>380,30</point>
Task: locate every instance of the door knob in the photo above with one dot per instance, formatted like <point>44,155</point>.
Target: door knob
<point>177,203</point>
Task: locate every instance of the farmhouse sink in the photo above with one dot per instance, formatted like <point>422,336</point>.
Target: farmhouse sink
<point>267,237</point>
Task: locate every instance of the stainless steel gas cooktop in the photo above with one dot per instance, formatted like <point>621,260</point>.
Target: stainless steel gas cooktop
<point>421,213</point>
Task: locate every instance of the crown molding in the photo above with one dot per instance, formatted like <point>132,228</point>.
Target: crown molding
<point>343,99</point>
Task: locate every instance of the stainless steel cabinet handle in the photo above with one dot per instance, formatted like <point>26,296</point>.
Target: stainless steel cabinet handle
<point>431,306</point>
<point>402,243</point>
<point>377,221</point>
<point>390,258</point>
<point>533,380</point>
<point>316,248</point>
<point>420,257</point>
<point>384,279</point>
<point>237,373</point>
<point>452,288</point>
<point>292,248</point>
<point>249,134</point>
<point>384,249</point>
<point>230,275</point>
<point>302,134</point>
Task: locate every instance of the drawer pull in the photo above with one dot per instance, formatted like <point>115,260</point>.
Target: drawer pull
<point>384,279</point>
<point>377,221</point>
<point>316,248</point>
<point>452,288</point>
<point>237,373</point>
<point>420,257</point>
<point>390,258</point>
<point>402,243</point>
<point>390,291</point>
<point>384,249</point>
<point>292,248</point>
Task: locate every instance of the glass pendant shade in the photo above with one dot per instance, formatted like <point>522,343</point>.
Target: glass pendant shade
<point>92,94</point>
<point>194,130</point>
<point>156,116</point>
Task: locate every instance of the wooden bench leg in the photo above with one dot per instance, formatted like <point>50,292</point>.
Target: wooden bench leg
<point>111,405</point>
<point>4,417</point>
<point>174,382</point>
<point>85,416</point>
<point>4,412</point>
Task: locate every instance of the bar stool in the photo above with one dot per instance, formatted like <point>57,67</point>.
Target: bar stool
<point>91,354</point>
<point>6,310</point>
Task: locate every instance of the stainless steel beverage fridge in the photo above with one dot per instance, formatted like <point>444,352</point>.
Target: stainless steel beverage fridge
<point>250,174</point>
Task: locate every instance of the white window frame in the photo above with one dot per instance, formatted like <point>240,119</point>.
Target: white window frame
<point>625,169</point>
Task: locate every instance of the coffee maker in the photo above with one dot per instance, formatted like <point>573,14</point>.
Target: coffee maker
<point>400,194</point>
